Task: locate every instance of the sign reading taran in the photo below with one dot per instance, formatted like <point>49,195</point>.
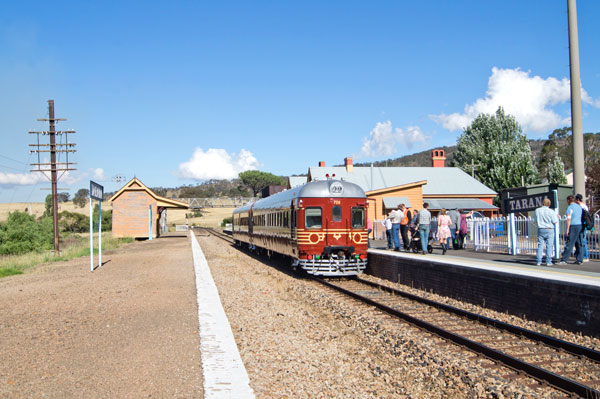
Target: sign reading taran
<point>528,203</point>
<point>96,191</point>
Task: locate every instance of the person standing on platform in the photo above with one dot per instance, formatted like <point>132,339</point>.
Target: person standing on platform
<point>545,220</point>
<point>387,223</point>
<point>397,216</point>
<point>455,218</point>
<point>573,214</point>
<point>586,253</point>
<point>424,223</point>
<point>404,226</point>
<point>444,223</point>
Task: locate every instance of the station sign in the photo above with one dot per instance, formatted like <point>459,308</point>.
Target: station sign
<point>96,191</point>
<point>528,203</point>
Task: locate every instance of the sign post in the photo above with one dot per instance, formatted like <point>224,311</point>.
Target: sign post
<point>526,204</point>
<point>96,193</point>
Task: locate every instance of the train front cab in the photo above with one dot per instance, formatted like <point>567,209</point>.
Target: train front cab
<point>332,236</point>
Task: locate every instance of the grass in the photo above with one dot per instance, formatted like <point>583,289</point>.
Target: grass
<point>76,246</point>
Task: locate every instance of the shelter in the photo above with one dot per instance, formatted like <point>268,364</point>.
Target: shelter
<point>138,212</point>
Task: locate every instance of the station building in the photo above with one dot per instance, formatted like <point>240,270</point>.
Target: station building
<point>139,213</point>
<point>387,187</point>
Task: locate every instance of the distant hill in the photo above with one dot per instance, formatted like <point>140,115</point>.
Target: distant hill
<point>563,145</point>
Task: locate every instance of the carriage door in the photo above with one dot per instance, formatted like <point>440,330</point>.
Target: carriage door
<point>337,234</point>
<point>293,218</point>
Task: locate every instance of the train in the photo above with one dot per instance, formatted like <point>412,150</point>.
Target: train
<point>321,227</point>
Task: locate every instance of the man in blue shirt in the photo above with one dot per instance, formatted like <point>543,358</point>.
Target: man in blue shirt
<point>573,214</point>
<point>545,219</point>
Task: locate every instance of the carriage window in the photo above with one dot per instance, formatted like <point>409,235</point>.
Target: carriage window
<point>358,218</point>
<point>337,213</point>
<point>313,218</point>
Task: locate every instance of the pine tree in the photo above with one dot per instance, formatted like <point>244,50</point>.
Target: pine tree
<point>499,149</point>
<point>556,170</point>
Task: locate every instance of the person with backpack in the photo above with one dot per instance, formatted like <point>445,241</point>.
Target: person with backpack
<point>587,223</point>
<point>574,228</point>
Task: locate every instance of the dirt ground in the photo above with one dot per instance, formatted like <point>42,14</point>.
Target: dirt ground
<point>127,330</point>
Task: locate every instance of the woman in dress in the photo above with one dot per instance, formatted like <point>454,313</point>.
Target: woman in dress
<point>444,222</point>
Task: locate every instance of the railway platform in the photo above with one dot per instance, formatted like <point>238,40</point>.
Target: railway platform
<point>566,296</point>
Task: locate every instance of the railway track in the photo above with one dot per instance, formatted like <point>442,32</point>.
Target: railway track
<point>570,368</point>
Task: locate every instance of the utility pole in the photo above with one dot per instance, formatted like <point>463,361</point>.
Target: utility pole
<point>473,165</point>
<point>576,120</point>
<point>53,167</point>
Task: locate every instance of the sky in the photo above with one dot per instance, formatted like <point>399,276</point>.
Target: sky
<point>179,92</point>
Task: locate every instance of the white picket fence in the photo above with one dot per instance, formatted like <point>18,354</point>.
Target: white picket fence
<point>492,235</point>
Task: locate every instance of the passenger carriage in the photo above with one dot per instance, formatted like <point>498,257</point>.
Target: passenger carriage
<point>321,226</point>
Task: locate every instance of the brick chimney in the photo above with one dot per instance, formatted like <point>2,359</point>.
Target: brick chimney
<point>321,164</point>
<point>437,158</point>
<point>348,164</point>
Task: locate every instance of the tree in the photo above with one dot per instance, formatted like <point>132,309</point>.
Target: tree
<point>497,147</point>
<point>556,170</point>
<point>81,197</point>
<point>257,180</point>
<point>592,185</point>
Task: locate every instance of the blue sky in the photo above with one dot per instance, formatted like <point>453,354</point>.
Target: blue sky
<point>182,91</point>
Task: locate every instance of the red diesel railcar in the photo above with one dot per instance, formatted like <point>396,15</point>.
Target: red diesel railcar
<point>321,226</point>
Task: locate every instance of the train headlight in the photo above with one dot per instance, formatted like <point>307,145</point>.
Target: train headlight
<point>362,257</point>
<point>317,257</point>
<point>309,257</point>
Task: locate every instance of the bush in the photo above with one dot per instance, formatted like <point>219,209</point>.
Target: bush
<point>74,222</point>
<point>22,233</point>
<point>106,219</point>
<point>227,220</point>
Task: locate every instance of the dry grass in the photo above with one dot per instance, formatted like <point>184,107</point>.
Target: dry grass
<point>37,208</point>
<point>77,245</point>
<point>211,217</point>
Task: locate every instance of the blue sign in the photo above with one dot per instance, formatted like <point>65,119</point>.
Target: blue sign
<point>96,191</point>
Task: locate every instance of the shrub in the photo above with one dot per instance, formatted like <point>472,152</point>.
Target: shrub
<point>74,222</point>
<point>22,233</point>
<point>226,220</point>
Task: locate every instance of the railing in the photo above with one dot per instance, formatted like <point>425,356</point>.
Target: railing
<point>492,235</point>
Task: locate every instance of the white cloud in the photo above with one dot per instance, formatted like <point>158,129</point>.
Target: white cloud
<point>99,174</point>
<point>20,179</point>
<point>383,139</point>
<point>528,98</point>
<point>216,163</point>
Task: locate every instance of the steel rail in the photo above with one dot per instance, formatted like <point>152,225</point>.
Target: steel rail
<point>570,347</point>
<point>555,380</point>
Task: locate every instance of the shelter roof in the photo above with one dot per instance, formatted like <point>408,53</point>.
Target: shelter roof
<point>440,181</point>
<point>393,202</point>
<point>459,203</point>
<point>295,181</point>
<point>136,185</point>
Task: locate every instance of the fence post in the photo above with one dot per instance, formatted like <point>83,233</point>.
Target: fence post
<point>556,227</point>
<point>512,234</point>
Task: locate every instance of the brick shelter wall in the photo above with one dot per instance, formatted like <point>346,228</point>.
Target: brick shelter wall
<point>130,215</point>
<point>564,305</point>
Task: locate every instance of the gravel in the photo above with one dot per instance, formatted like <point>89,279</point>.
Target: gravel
<point>127,330</point>
<point>302,340</point>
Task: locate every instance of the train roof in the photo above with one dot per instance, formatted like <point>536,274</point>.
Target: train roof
<point>314,189</point>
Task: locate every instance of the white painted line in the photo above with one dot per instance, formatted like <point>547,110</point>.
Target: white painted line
<point>224,373</point>
<point>548,273</point>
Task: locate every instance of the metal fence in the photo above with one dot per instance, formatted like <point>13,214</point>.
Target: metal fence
<point>492,235</point>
